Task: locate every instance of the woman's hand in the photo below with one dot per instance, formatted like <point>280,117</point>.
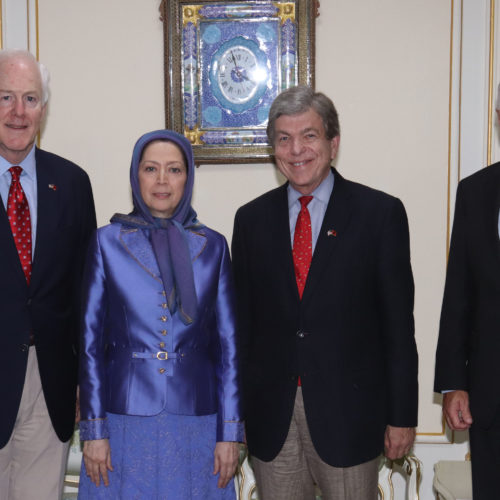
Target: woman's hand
<point>226,459</point>
<point>97,459</point>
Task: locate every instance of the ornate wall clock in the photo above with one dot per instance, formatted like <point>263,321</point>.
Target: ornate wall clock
<point>225,62</point>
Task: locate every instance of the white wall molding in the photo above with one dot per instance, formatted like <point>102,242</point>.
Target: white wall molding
<point>19,25</point>
<point>475,84</point>
<point>392,90</point>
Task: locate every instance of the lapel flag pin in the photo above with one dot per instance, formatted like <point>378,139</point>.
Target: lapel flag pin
<point>331,232</point>
<point>53,187</point>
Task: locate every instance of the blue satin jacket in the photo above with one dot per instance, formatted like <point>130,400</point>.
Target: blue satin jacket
<point>138,359</point>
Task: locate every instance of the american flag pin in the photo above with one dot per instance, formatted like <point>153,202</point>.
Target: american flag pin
<point>331,232</point>
<point>53,187</point>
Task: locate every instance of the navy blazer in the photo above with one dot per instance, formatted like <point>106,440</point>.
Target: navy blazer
<point>350,338</point>
<point>48,307</point>
<point>469,339</point>
<point>139,359</point>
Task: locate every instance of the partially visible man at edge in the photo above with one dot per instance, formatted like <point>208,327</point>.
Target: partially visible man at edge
<point>325,296</point>
<point>467,366</point>
<point>46,218</point>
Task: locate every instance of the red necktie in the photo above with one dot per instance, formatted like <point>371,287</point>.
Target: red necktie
<point>18,213</point>
<point>302,244</point>
<point>302,247</point>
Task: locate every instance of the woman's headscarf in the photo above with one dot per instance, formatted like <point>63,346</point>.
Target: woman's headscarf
<point>168,236</point>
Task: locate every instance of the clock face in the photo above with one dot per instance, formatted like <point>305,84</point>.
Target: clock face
<point>239,74</point>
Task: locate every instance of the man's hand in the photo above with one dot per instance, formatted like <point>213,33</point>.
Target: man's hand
<point>97,459</point>
<point>226,456</point>
<point>398,441</point>
<point>456,410</point>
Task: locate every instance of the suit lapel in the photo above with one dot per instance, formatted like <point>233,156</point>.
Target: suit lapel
<point>139,248</point>
<point>335,222</point>
<point>280,240</point>
<point>197,242</point>
<point>493,219</point>
<point>9,248</point>
<point>48,214</point>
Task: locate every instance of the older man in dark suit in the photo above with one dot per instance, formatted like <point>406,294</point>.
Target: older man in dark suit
<point>325,294</point>
<point>468,351</point>
<point>46,218</point>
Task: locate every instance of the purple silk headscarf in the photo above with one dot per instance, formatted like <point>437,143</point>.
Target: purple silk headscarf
<point>168,236</point>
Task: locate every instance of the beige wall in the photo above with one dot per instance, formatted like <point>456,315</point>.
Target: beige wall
<point>385,64</point>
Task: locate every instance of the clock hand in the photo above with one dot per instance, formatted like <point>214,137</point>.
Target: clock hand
<point>245,77</point>
<point>234,62</point>
<point>239,74</point>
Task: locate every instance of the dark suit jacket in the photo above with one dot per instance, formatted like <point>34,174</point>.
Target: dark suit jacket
<point>469,336</point>
<point>350,338</point>
<point>48,307</point>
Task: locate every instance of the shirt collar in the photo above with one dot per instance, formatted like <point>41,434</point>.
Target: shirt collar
<point>321,193</point>
<point>28,164</point>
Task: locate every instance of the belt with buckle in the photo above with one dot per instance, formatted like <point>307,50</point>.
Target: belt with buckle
<point>161,355</point>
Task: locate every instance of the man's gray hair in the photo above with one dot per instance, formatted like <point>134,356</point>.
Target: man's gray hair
<point>300,99</point>
<point>8,54</point>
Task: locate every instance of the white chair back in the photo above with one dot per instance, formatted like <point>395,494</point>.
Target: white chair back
<point>453,480</point>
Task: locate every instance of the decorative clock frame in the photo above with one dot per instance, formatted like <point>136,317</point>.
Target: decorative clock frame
<point>260,46</point>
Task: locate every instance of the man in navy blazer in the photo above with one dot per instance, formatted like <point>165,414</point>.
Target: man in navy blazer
<point>467,357</point>
<point>329,375</point>
<point>38,314</point>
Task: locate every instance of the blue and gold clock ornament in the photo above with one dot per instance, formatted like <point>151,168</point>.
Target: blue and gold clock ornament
<point>226,61</point>
<point>239,74</point>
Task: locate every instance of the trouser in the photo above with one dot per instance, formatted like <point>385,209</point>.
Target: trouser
<point>297,467</point>
<point>33,462</point>
<point>485,456</point>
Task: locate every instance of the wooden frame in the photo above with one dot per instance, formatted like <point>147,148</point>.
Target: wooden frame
<point>222,127</point>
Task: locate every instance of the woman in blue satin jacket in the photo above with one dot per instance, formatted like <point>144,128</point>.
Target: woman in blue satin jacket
<point>159,388</point>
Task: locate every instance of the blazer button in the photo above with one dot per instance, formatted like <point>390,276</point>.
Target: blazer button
<point>300,334</point>
<point>24,347</point>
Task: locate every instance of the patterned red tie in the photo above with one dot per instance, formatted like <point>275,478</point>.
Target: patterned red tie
<point>302,244</point>
<point>18,213</point>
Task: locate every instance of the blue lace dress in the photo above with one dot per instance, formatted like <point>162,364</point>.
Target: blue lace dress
<point>164,457</point>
